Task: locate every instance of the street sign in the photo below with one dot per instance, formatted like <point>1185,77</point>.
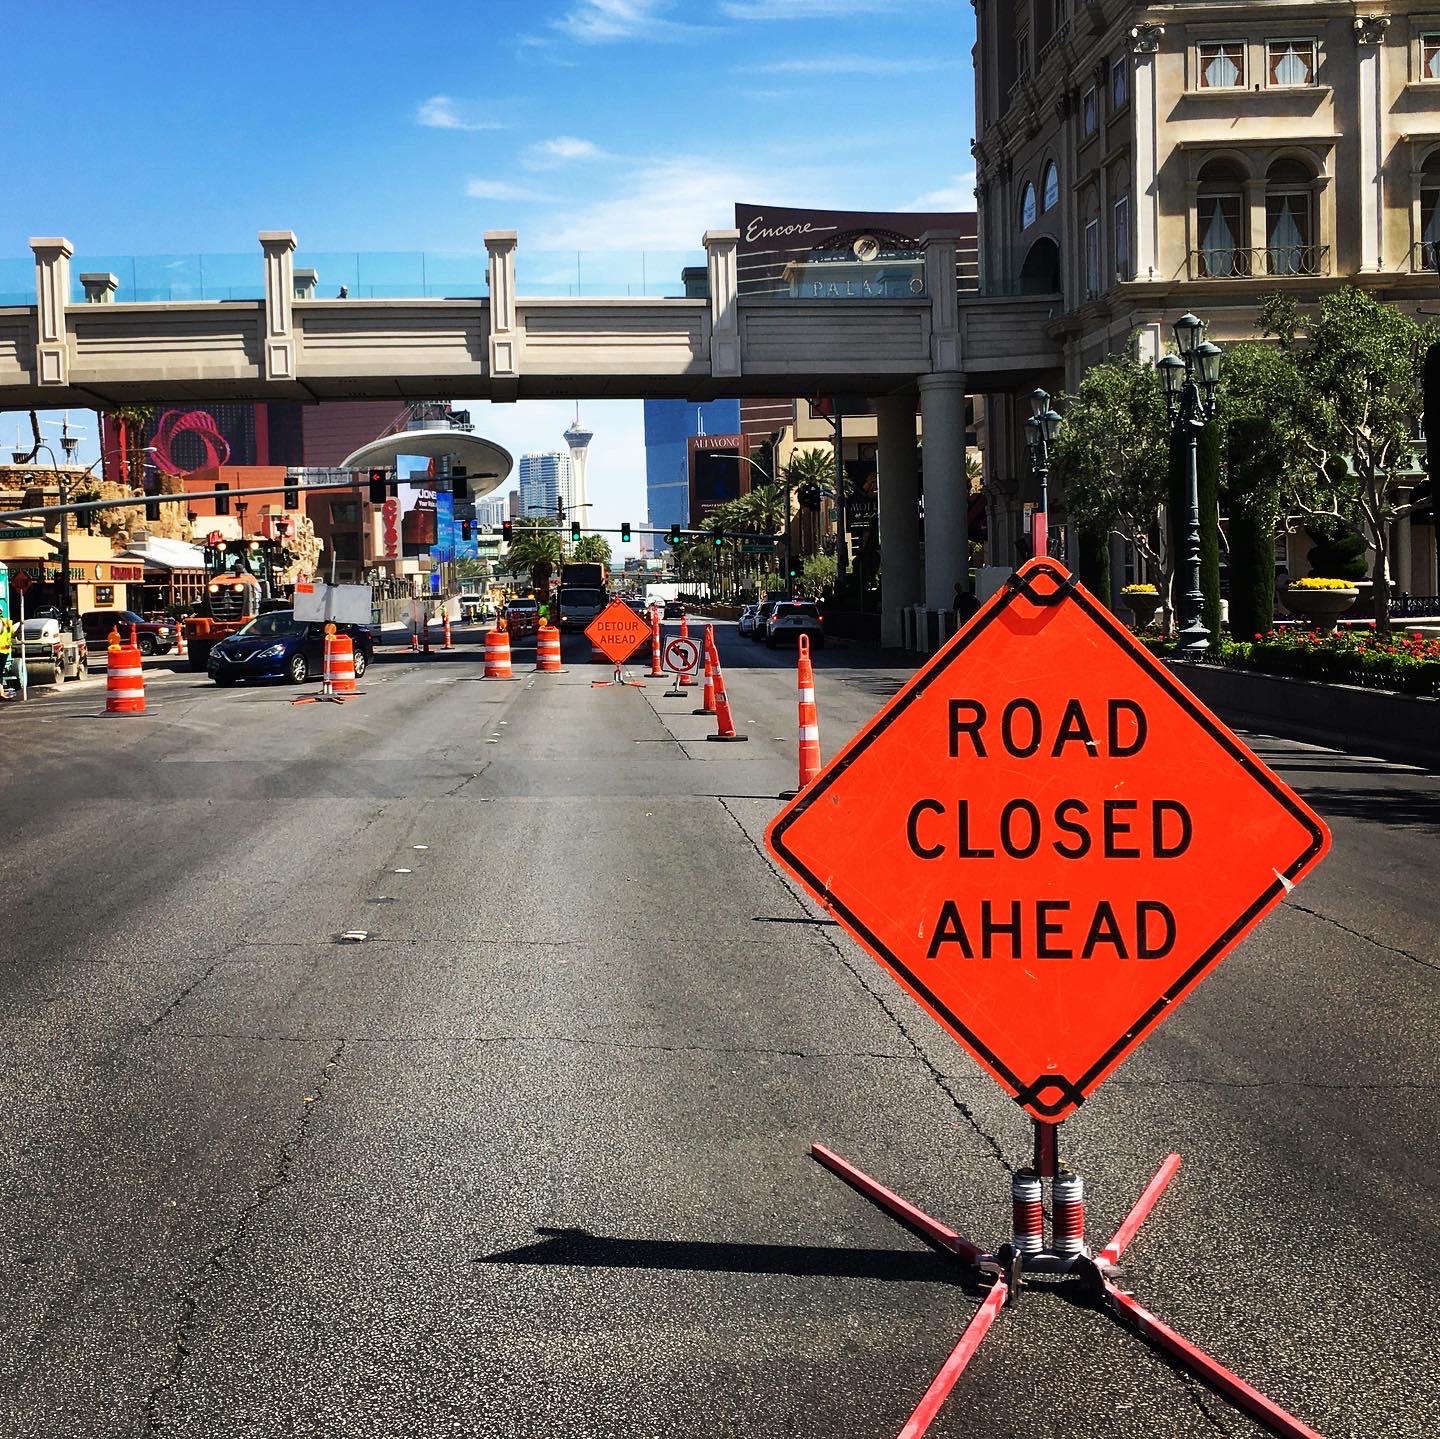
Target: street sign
<point>758,547</point>
<point>36,533</point>
<point>1047,839</point>
<point>20,581</point>
<point>682,656</point>
<point>617,631</point>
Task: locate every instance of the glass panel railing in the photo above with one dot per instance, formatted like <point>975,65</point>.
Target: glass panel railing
<point>604,274</point>
<point>393,274</point>
<point>146,279</point>
<point>17,281</point>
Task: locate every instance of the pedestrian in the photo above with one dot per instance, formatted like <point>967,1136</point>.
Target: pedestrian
<point>7,640</point>
<point>965,602</point>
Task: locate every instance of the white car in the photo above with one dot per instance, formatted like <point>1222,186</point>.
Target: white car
<point>746,623</point>
<point>792,618</point>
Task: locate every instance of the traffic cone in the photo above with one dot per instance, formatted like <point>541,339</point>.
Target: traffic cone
<point>809,722</point>
<point>656,672</point>
<point>447,645</point>
<point>414,639</point>
<point>707,701</point>
<point>425,643</point>
<point>181,648</point>
<point>724,723</point>
<point>686,682</point>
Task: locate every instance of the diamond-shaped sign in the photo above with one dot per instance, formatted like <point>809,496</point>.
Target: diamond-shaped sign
<point>1047,839</point>
<point>617,631</point>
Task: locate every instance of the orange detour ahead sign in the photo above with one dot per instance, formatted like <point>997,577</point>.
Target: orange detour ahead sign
<point>617,632</point>
<point>1047,839</point>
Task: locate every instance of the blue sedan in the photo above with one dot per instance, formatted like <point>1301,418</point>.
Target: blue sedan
<point>277,646</point>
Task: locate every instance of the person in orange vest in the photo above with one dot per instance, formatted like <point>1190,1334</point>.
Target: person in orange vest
<point>7,640</point>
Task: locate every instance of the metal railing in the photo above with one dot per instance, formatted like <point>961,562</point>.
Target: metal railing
<point>1414,607</point>
<point>1425,255</point>
<point>1240,263</point>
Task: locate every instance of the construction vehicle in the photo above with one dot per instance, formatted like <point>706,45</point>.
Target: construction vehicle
<point>243,578</point>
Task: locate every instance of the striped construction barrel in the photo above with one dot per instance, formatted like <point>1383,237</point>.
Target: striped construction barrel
<point>124,681</point>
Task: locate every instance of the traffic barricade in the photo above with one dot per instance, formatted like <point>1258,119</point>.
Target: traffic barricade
<point>497,654</point>
<point>547,651</point>
<point>124,681</point>
<point>340,664</point>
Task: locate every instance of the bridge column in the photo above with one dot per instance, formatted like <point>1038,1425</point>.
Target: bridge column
<point>279,250</point>
<point>504,355</point>
<point>947,488</point>
<point>720,251</point>
<point>901,581</point>
<point>52,294</point>
<point>100,287</point>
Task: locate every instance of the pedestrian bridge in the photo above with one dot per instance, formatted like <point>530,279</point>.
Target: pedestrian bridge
<point>503,346</point>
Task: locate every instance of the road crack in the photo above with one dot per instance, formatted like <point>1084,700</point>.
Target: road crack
<point>1368,939</point>
<point>187,1300</point>
<point>827,936</point>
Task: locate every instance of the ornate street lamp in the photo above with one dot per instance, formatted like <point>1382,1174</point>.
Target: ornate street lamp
<point>1040,432</point>
<point>1190,380</point>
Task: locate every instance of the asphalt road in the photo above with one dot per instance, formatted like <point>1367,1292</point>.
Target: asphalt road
<point>530,1159</point>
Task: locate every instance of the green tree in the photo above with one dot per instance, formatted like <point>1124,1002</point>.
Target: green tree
<point>592,550</point>
<point>1361,410</point>
<point>535,550</point>
<point>1111,459</point>
<point>131,422</point>
<point>817,574</point>
<point>1261,464</point>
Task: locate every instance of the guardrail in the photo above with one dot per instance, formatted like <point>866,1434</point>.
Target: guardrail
<point>1276,261</point>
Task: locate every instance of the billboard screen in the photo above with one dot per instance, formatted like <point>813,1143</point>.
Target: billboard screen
<point>717,473</point>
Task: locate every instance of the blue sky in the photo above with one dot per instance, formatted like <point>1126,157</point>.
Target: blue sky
<point>584,124</point>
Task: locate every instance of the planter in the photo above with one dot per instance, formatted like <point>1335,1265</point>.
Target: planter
<point>1143,607</point>
<point>1321,607</point>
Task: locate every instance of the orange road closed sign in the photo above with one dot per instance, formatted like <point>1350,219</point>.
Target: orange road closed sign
<point>1047,839</point>
<point>617,632</point>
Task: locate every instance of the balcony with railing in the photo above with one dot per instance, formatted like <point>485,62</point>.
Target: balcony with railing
<point>1425,255</point>
<point>1233,262</point>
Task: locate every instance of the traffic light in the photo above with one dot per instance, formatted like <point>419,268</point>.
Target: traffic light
<point>574,531</point>
<point>460,487</point>
<point>674,535</point>
<point>292,492</point>
<point>718,541</point>
<point>624,534</point>
<point>506,530</point>
<point>464,529</point>
<point>377,487</point>
<point>794,569</point>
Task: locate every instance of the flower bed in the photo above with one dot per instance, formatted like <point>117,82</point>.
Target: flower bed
<point>1406,663</point>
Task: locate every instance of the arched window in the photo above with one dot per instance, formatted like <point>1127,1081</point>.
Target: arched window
<point>1220,222</point>
<point>1429,257</point>
<point>1290,247</point>
<point>1050,190</point>
<point>1040,274</point>
<point>1027,206</point>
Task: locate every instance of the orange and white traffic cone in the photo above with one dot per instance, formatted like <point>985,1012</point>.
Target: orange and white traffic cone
<point>707,702</point>
<point>809,722</point>
<point>414,638</point>
<point>425,636</point>
<point>181,648</point>
<point>656,671</point>
<point>447,645</point>
<point>686,681</point>
<point>724,723</point>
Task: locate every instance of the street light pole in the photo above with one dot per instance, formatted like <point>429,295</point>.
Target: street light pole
<point>1190,380</point>
<point>1040,431</point>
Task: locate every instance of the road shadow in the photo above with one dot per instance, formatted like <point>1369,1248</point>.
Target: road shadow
<point>1393,807</point>
<point>579,1249</point>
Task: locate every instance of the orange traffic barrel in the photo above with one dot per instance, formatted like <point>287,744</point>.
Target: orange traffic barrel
<point>497,655</point>
<point>340,665</point>
<point>547,651</point>
<point>124,681</point>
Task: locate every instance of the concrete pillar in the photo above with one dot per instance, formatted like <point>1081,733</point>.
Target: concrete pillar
<point>52,294</point>
<point>306,283</point>
<point>941,285</point>
<point>724,276</point>
<point>100,287</point>
<point>947,490</point>
<point>1370,38</point>
<point>1404,561</point>
<point>898,502</point>
<point>279,250</point>
<point>504,347</point>
<point>1145,45</point>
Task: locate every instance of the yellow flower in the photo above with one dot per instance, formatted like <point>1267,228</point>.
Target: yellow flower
<point>1139,590</point>
<point>1320,582</point>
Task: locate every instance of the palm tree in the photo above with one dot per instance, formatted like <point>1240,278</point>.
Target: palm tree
<point>535,549</point>
<point>592,549</point>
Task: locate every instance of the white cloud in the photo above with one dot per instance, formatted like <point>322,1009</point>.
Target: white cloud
<point>959,194</point>
<point>599,22</point>
<point>666,204</point>
<point>440,112</point>
<point>562,150</point>
<point>499,190</point>
<point>851,65</point>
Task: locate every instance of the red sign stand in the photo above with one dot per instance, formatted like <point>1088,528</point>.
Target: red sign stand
<point>1037,838</point>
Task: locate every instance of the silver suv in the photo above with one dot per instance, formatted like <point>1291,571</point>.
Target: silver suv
<point>793,618</point>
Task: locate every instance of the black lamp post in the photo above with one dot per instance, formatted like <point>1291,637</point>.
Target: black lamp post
<point>1040,431</point>
<point>1190,379</point>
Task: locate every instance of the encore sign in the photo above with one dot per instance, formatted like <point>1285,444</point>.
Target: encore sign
<point>1047,839</point>
<point>617,631</point>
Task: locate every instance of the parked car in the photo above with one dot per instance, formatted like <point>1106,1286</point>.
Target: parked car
<point>763,611</point>
<point>277,646</point>
<point>793,618</point>
<point>154,637</point>
<point>746,622</point>
<point>674,610</point>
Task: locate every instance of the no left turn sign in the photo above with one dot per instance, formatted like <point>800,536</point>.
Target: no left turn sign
<point>682,656</point>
